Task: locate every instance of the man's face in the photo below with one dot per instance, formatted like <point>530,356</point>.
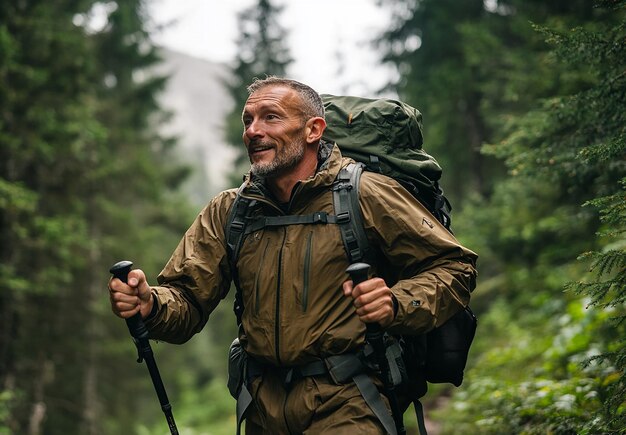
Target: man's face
<point>274,130</point>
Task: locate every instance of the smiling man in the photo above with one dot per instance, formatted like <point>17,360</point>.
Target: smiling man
<point>300,315</point>
<point>282,131</point>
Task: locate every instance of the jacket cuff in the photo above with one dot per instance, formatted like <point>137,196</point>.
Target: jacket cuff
<point>394,300</point>
<point>154,309</point>
<point>411,314</point>
<point>156,314</point>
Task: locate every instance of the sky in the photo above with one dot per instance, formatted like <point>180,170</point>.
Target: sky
<point>328,39</point>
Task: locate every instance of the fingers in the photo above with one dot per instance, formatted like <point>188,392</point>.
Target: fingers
<point>126,299</point>
<point>137,279</point>
<point>372,299</point>
<point>123,304</point>
<point>124,310</point>
<point>347,288</point>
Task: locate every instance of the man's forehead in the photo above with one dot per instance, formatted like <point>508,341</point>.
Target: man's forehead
<point>270,96</point>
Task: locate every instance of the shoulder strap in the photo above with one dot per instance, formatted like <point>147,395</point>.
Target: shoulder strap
<point>348,212</point>
<point>235,231</point>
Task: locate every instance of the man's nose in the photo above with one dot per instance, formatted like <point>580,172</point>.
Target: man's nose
<point>253,130</point>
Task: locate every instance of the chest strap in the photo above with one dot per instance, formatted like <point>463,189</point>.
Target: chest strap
<point>318,217</point>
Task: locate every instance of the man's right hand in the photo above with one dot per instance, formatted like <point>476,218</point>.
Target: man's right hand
<point>132,298</point>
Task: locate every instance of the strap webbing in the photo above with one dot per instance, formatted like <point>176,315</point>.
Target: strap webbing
<point>235,232</point>
<point>372,397</point>
<point>341,368</point>
<point>347,208</point>
<point>318,217</point>
<point>244,400</point>
<point>419,413</point>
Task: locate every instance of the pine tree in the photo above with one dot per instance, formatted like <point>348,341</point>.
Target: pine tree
<point>596,121</point>
<point>551,96</point>
<point>469,66</point>
<point>261,52</point>
<point>82,183</point>
<point>568,151</point>
<point>45,73</point>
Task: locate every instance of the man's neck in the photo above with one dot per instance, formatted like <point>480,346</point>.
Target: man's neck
<point>281,186</point>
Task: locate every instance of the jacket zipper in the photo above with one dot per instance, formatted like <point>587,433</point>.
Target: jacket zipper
<point>307,272</point>
<point>278,275</point>
<point>277,318</point>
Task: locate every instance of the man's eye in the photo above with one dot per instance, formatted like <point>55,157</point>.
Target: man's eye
<point>272,116</point>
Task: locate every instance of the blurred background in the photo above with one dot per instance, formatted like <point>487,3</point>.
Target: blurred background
<point>119,120</point>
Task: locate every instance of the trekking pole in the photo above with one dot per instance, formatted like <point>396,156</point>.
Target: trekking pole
<point>374,335</point>
<point>139,332</point>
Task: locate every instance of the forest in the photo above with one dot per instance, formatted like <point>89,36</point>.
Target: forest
<point>524,107</point>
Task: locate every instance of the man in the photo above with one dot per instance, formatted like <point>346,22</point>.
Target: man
<point>300,306</point>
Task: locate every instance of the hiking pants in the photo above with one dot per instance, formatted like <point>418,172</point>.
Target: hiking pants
<point>309,405</point>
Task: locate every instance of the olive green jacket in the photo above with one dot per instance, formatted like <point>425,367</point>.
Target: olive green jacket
<point>291,277</point>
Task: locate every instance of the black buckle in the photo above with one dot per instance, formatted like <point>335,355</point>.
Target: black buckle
<point>320,217</point>
<point>343,218</point>
<point>237,226</point>
<point>342,185</point>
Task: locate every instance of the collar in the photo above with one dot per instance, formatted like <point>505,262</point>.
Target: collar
<point>330,162</point>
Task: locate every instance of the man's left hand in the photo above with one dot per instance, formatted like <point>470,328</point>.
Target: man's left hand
<point>373,301</point>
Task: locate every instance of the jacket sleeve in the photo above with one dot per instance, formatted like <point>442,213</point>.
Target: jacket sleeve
<point>195,278</point>
<point>435,274</point>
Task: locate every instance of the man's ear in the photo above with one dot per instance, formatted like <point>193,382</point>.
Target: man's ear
<point>315,129</point>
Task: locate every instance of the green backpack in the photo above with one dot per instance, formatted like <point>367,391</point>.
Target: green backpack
<point>386,135</point>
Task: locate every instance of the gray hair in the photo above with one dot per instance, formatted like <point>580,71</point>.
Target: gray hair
<point>313,105</point>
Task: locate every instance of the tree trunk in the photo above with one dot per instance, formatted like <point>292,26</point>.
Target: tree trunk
<point>39,407</point>
<point>91,410</point>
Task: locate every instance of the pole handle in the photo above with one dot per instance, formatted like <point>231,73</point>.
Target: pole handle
<point>136,326</point>
<point>359,272</point>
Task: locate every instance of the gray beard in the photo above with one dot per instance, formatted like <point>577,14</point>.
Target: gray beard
<point>285,160</point>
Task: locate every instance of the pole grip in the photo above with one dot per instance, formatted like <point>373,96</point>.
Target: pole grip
<point>136,326</point>
<point>359,272</point>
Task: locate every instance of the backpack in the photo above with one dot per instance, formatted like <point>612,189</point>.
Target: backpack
<point>384,136</point>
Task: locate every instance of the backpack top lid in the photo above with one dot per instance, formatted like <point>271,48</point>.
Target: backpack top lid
<point>375,122</point>
<point>388,130</point>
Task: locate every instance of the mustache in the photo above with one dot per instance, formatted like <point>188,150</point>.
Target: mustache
<point>259,143</point>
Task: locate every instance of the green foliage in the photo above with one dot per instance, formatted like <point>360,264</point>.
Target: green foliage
<point>607,291</point>
<point>82,174</point>
<point>550,96</point>
<point>201,409</point>
<point>6,398</point>
<point>531,377</point>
